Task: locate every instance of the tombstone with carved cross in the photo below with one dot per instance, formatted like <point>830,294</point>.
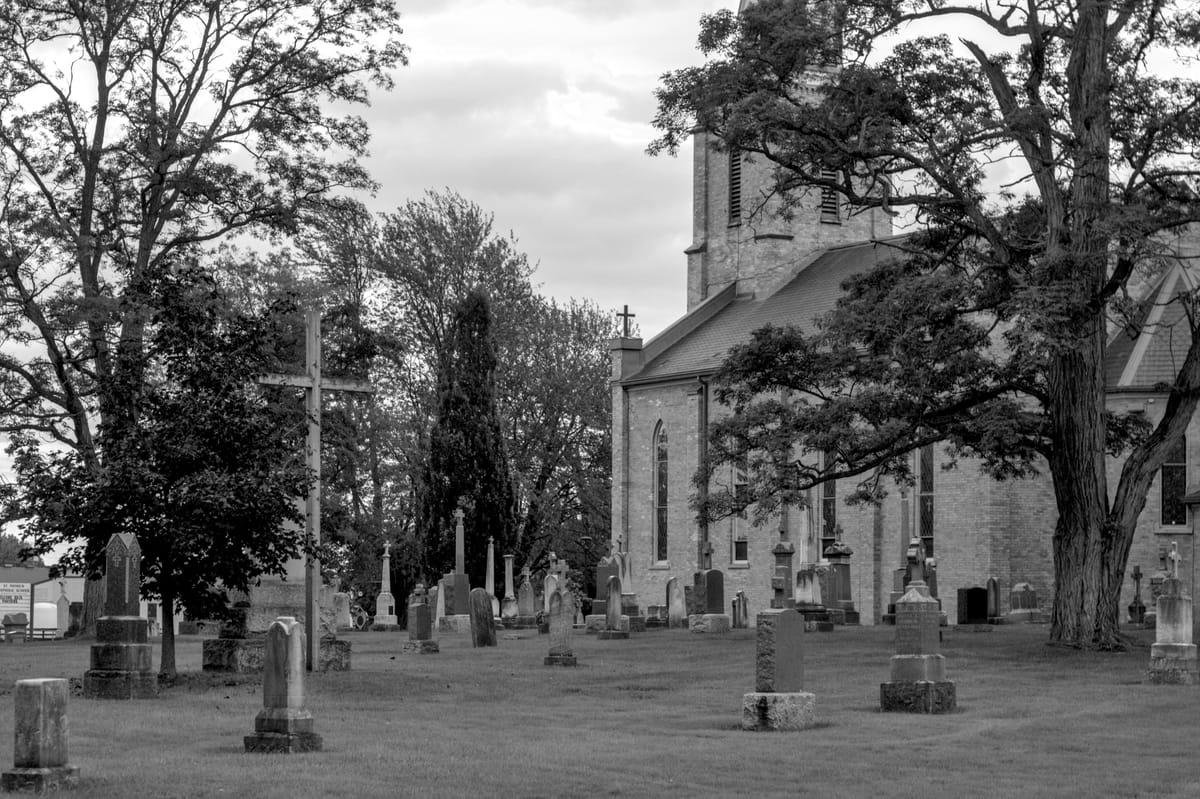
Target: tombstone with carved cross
<point>1173,655</point>
<point>121,658</point>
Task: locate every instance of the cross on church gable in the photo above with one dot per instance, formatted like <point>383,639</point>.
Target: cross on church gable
<point>625,317</point>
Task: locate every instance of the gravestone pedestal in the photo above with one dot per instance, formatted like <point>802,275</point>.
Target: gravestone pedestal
<point>1173,655</point>
<point>40,739</point>
<point>779,701</point>
<point>283,725</point>
<point>708,591</point>
<point>120,660</point>
<point>918,680</point>
<point>420,625</point>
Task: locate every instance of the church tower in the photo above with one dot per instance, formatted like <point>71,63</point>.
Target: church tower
<point>738,234</point>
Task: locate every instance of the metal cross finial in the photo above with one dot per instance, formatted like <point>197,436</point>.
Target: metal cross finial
<point>625,317</point>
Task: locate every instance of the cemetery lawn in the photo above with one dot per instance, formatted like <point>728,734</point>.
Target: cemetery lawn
<point>657,715</point>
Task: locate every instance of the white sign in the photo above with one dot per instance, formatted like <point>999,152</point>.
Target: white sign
<point>14,598</point>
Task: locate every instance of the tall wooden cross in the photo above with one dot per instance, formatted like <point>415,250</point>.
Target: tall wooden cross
<point>625,317</point>
<point>313,384</point>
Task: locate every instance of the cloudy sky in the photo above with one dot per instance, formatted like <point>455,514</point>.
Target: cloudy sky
<point>539,111</point>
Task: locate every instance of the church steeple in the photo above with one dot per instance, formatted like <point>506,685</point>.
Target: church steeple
<point>738,234</point>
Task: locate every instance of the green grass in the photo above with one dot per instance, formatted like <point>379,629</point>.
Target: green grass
<point>657,715</point>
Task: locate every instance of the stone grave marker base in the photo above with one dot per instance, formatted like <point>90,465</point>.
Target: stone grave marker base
<point>283,742</point>
<point>917,696</point>
<point>40,780</point>
<point>784,711</point>
<point>427,647</point>
<point>120,684</point>
<point>384,628</point>
<point>710,623</point>
<point>520,623</point>
<point>1173,664</point>
<point>455,624</point>
<point>594,622</point>
<point>561,660</point>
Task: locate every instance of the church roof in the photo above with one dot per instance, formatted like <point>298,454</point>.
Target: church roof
<point>1151,350</point>
<point>698,343</point>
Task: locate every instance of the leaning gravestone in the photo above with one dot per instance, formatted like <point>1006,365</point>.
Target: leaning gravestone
<point>420,625</point>
<point>483,623</point>
<point>562,611</point>
<point>121,659</point>
<point>918,683</point>
<point>283,725</point>
<point>779,701</point>
<point>40,738</point>
<point>616,624</point>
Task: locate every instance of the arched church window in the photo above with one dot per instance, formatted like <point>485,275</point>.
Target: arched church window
<point>661,474</point>
<point>1173,484</point>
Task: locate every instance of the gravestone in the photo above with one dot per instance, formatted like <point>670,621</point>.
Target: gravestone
<point>918,670</point>
<point>385,603</point>
<point>782,587</point>
<point>807,599</point>
<point>40,738</point>
<point>489,578</point>
<point>972,606</point>
<point>456,585</point>
<point>120,660</point>
<point>1137,608</point>
<point>420,625</point>
<point>616,624</point>
<point>550,584</point>
<point>341,611</point>
<point>839,599</point>
<point>778,701</point>
<point>677,615</point>
<point>741,611</point>
<point>562,612</point>
<point>15,627</point>
<point>508,608</point>
<point>283,725</point>
<point>1173,654</point>
<point>64,612</point>
<point>526,602</point>
<point>483,622</point>
<point>1023,604</point>
<point>993,601</point>
<point>710,595</point>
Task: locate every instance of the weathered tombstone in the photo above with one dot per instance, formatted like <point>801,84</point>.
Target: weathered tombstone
<point>385,603</point>
<point>993,601</point>
<point>710,595</point>
<point>807,599</point>
<point>15,627</point>
<point>741,611</point>
<point>781,581</point>
<point>420,625</point>
<point>508,608</point>
<point>616,624</point>
<point>120,660</point>
<point>341,611</point>
<point>562,611</point>
<point>918,680</point>
<point>283,725</point>
<point>972,606</point>
<point>489,577</point>
<point>1023,602</point>
<point>1137,608</point>
<point>526,602</point>
<point>779,701</point>
<point>483,622</point>
<point>64,612</point>
<point>1173,655</point>
<point>840,597</point>
<point>40,738</point>
<point>550,584</point>
<point>456,585</point>
<point>676,607</point>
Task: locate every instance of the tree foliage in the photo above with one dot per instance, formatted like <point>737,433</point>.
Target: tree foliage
<point>988,330</point>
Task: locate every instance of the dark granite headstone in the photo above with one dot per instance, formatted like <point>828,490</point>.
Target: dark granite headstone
<point>710,591</point>
<point>993,598</point>
<point>483,621</point>
<point>972,605</point>
<point>122,576</point>
<point>779,664</point>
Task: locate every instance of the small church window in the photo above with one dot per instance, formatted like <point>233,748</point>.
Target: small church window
<point>828,509</point>
<point>830,204</point>
<point>735,186</point>
<point>925,498</point>
<point>661,474</point>
<point>740,551</point>
<point>1174,484</point>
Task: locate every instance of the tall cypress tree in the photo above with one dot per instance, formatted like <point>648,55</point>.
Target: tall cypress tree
<point>467,463</point>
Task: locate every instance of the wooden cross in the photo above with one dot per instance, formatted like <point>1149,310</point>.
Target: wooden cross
<point>313,384</point>
<point>1174,557</point>
<point>625,317</point>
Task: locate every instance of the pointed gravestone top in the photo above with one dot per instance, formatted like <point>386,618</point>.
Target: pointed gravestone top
<point>123,575</point>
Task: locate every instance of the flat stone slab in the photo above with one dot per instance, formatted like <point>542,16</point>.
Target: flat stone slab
<point>283,743</point>
<point>710,623</point>
<point>919,696</point>
<point>40,780</point>
<point>427,647</point>
<point>778,712</point>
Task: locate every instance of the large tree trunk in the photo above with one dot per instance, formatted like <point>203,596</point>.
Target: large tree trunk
<point>93,606</point>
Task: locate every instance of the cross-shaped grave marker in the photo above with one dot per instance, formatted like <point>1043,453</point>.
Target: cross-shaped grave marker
<point>313,384</point>
<point>1174,557</point>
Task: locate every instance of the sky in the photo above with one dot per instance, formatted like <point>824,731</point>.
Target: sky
<point>539,112</point>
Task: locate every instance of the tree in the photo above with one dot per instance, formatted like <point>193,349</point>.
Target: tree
<point>467,465</point>
<point>165,126</point>
<point>14,550</point>
<point>988,331</point>
<point>207,478</point>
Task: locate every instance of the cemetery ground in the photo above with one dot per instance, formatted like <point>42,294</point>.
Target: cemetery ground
<point>656,715</point>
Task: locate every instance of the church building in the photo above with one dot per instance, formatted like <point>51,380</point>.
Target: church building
<point>748,266</point>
